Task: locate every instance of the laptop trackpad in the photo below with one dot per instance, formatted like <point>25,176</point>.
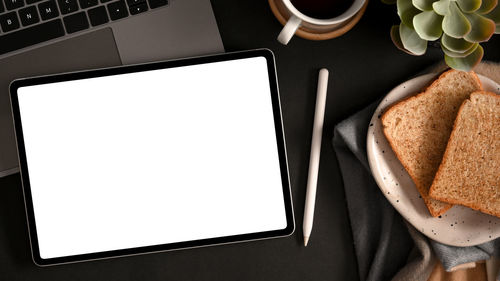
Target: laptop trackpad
<point>93,50</point>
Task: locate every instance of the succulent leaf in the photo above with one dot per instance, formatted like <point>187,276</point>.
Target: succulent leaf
<point>411,40</point>
<point>423,5</point>
<point>487,6</point>
<point>497,29</point>
<point>441,7</point>
<point>396,39</point>
<point>406,11</point>
<point>467,63</point>
<point>469,6</point>
<point>453,54</point>
<point>482,28</point>
<point>494,15</point>
<point>428,25</point>
<point>455,24</point>
<point>455,45</point>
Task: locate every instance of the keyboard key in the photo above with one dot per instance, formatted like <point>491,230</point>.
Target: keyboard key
<point>48,10</point>
<point>9,22</point>
<point>157,3</point>
<point>117,10</point>
<point>32,1</point>
<point>67,6</point>
<point>76,22</point>
<point>139,8</point>
<point>98,16</point>
<point>31,36</point>
<point>14,4</point>
<point>2,8</point>
<point>88,3</point>
<point>29,16</point>
<point>135,2</point>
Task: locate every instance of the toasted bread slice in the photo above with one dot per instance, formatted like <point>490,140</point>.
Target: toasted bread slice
<point>419,127</point>
<point>470,171</point>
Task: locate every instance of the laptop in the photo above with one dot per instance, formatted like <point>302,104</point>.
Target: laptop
<point>40,37</point>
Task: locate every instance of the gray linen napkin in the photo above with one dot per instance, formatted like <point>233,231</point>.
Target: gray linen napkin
<point>382,242</point>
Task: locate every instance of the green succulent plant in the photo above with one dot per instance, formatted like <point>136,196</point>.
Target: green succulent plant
<point>460,25</point>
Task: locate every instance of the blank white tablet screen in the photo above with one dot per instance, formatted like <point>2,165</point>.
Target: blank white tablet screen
<point>152,157</point>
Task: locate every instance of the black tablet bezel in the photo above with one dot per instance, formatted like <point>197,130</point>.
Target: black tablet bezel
<point>267,54</point>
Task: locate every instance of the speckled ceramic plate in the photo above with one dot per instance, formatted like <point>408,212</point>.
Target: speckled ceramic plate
<point>459,226</point>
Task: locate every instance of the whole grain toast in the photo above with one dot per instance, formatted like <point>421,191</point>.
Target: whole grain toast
<point>418,129</point>
<point>470,171</point>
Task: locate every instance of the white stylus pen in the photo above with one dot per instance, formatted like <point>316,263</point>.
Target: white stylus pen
<point>312,179</point>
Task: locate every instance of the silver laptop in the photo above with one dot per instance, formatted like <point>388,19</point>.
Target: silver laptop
<point>40,37</point>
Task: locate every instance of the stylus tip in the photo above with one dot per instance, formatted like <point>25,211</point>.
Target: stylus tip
<point>306,240</point>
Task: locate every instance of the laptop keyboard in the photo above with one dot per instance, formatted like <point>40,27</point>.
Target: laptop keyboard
<point>25,23</point>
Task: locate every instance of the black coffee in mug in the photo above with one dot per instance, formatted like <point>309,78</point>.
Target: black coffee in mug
<point>322,9</point>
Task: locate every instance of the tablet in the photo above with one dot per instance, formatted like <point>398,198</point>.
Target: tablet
<point>152,157</point>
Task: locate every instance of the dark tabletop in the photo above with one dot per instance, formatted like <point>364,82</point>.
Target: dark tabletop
<point>363,64</point>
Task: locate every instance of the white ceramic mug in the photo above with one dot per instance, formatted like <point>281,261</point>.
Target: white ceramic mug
<point>297,19</point>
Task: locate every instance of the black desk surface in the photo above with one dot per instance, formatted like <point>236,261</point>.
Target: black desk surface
<point>363,64</point>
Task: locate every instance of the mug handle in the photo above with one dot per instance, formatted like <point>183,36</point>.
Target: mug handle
<point>289,30</point>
